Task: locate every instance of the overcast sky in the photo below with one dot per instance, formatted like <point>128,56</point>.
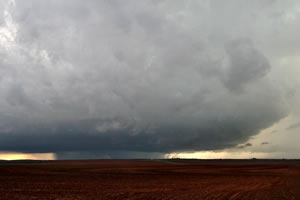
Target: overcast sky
<point>134,78</point>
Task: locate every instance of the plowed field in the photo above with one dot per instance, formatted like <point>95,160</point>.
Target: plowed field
<point>150,179</point>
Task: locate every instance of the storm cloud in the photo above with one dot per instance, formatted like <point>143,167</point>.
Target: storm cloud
<point>142,76</point>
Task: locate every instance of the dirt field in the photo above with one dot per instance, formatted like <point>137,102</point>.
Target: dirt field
<point>150,179</point>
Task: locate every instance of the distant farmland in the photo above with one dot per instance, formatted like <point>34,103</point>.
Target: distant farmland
<point>150,179</point>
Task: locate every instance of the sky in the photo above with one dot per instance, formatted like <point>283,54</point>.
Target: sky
<point>149,79</point>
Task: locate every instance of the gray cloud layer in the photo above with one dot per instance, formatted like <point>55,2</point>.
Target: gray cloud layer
<point>151,76</point>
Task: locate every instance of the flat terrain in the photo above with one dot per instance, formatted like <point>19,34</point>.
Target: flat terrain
<point>150,179</point>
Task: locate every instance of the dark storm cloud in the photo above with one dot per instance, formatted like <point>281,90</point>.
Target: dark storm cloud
<point>246,64</point>
<point>154,76</point>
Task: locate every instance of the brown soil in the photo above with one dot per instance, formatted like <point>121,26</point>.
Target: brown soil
<point>149,179</point>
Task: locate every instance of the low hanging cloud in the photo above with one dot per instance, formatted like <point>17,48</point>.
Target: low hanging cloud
<point>294,126</point>
<point>245,146</point>
<point>142,76</point>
